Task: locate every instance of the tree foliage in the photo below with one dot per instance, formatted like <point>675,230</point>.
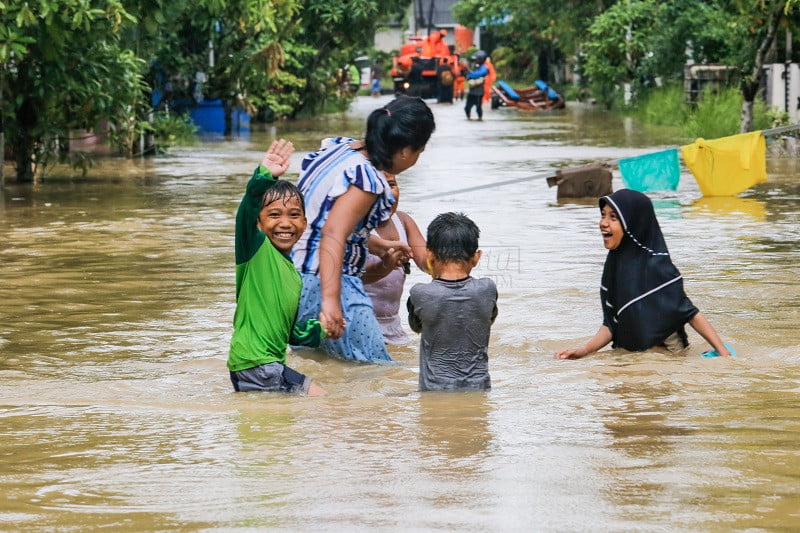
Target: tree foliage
<point>67,65</point>
<point>533,29</point>
<point>615,43</point>
<point>332,34</point>
<point>275,56</point>
<point>62,68</point>
<point>70,64</point>
<point>618,50</point>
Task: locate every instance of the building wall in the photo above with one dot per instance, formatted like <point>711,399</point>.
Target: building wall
<point>391,37</point>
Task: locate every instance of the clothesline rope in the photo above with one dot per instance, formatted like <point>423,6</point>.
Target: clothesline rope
<point>544,175</point>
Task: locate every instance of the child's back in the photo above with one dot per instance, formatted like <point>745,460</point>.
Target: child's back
<point>455,319</point>
<point>454,312</point>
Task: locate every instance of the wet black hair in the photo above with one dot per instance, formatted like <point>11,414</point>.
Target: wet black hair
<point>453,237</point>
<point>404,122</point>
<point>283,190</point>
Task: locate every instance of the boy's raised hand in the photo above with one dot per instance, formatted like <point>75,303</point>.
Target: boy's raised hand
<point>276,160</point>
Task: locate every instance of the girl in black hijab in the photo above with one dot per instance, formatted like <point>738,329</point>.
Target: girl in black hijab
<point>641,292</point>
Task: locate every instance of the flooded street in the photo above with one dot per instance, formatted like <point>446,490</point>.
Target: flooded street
<point>117,411</point>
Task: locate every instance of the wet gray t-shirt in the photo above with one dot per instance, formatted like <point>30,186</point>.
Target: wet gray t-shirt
<point>455,318</point>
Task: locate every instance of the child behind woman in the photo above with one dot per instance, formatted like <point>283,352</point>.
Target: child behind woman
<point>383,278</point>
<point>641,292</point>
<point>455,311</point>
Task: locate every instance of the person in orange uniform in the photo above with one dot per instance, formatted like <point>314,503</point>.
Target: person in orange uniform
<point>489,80</point>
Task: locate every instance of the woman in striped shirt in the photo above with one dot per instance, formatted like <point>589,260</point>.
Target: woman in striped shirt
<point>347,196</point>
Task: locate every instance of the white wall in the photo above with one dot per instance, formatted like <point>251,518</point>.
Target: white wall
<point>775,93</point>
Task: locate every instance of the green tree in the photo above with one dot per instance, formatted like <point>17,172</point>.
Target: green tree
<point>250,38</point>
<point>280,56</point>
<point>618,46</point>
<point>537,32</point>
<point>764,17</point>
<point>62,68</point>
<point>637,41</point>
<point>330,35</point>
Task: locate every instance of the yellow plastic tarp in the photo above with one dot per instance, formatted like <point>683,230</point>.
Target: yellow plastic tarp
<point>727,166</point>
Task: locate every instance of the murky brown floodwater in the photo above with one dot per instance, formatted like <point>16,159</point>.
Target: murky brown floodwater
<point>117,412</point>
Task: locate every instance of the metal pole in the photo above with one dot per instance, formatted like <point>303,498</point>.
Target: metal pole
<point>782,129</point>
<point>787,71</point>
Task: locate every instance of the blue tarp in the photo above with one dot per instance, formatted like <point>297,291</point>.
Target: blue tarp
<point>658,171</point>
<point>508,90</point>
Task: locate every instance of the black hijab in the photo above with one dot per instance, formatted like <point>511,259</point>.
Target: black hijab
<point>641,290</point>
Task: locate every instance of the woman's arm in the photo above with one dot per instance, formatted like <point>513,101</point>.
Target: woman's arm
<point>347,211</point>
<point>415,240</point>
<point>702,326</point>
<point>600,339</point>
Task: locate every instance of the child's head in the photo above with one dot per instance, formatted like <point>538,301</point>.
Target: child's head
<point>283,215</point>
<point>391,179</point>
<point>610,226</point>
<point>453,238</point>
<point>629,216</point>
<point>398,132</point>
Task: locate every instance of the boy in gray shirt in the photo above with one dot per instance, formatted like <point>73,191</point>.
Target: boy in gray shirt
<point>455,311</point>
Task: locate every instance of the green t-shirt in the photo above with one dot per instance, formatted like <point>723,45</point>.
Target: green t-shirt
<point>267,290</point>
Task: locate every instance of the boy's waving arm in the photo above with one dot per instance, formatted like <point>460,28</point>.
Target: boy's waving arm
<point>276,160</point>
<point>274,164</point>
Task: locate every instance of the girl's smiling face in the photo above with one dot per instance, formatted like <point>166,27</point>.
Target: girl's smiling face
<point>610,228</point>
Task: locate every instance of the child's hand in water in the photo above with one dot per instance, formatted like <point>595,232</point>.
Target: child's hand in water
<point>571,353</point>
<point>277,157</point>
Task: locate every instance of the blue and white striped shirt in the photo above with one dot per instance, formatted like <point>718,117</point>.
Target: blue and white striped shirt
<point>324,176</point>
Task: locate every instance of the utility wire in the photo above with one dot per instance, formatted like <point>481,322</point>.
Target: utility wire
<point>545,175</point>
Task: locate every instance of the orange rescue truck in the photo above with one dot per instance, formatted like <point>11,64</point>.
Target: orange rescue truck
<point>428,68</point>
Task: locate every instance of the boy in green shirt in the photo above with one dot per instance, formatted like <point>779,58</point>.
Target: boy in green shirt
<point>270,219</point>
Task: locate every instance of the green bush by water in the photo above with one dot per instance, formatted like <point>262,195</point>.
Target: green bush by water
<point>717,114</point>
<point>663,107</point>
<point>173,130</point>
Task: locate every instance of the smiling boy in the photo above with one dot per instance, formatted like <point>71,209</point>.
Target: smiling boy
<point>270,220</point>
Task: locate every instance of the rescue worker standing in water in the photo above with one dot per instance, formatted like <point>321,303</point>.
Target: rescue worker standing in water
<point>475,82</point>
